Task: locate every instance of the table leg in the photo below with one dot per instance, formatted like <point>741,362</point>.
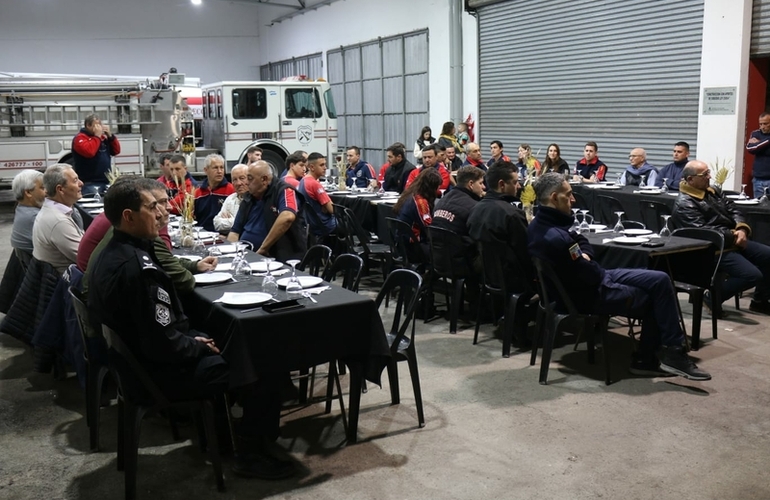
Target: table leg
<point>354,403</point>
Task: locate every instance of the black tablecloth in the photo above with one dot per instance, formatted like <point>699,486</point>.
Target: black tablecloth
<point>342,325</point>
<point>370,215</point>
<point>757,216</point>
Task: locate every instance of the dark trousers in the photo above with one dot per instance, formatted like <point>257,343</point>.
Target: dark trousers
<point>747,268</point>
<point>261,401</point>
<point>644,294</point>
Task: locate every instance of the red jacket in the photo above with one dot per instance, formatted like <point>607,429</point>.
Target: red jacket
<point>443,172</point>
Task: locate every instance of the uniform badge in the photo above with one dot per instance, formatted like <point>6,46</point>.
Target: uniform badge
<point>574,251</point>
<point>162,314</point>
<point>163,296</point>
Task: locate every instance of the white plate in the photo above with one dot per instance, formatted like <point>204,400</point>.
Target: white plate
<point>637,232</point>
<point>305,281</point>
<point>209,278</point>
<point>261,266</point>
<point>96,212</point>
<point>208,234</point>
<point>611,186</point>
<point>231,248</point>
<point>734,196</point>
<point>223,267</point>
<point>194,258</point>
<point>629,240</point>
<point>747,202</point>
<point>651,191</point>
<point>596,227</point>
<point>242,299</point>
<point>85,200</point>
<point>92,204</point>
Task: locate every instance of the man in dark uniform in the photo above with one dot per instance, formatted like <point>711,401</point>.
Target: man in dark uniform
<point>131,294</point>
<point>453,209</point>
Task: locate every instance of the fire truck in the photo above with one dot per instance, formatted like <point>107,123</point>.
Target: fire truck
<point>279,117</point>
<point>40,115</point>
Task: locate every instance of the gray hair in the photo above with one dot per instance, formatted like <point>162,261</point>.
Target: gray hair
<point>54,176</point>
<point>240,165</point>
<point>90,119</point>
<point>24,181</point>
<point>547,184</point>
<point>210,158</point>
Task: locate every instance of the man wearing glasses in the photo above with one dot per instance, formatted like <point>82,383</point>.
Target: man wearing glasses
<point>748,265</point>
<point>473,156</point>
<point>639,170</point>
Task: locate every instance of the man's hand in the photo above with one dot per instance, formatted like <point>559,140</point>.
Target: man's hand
<point>263,251</point>
<point>106,130</point>
<point>753,140</point>
<point>225,214</point>
<point>209,343</point>
<point>741,240</point>
<point>586,257</point>
<point>207,264</point>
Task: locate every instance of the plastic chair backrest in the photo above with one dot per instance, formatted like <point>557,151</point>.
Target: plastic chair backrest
<point>315,260</point>
<point>605,208</point>
<point>716,238</point>
<point>549,282</point>
<point>632,224</point>
<point>448,253</point>
<point>408,284</point>
<point>400,236</point>
<point>137,371</point>
<point>350,266</point>
<point>652,212</point>
<point>493,274</point>
<point>81,313</point>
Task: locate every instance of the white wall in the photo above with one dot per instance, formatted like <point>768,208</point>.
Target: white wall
<point>214,41</point>
<point>352,21</point>
<point>725,63</point>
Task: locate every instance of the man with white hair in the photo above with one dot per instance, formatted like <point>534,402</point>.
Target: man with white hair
<point>210,196</point>
<point>56,235</point>
<point>638,170</point>
<point>29,192</point>
<point>223,221</point>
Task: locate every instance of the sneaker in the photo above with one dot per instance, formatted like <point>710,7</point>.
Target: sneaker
<point>762,307</point>
<point>646,367</point>
<point>674,360</point>
<point>262,465</point>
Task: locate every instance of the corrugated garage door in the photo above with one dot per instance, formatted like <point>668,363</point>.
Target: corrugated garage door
<point>623,74</point>
<point>381,92</point>
<point>311,66</point>
<point>760,29</point>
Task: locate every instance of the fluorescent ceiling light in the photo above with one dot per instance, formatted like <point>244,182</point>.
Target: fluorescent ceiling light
<point>196,2</point>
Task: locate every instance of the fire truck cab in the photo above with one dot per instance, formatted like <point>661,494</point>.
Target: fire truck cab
<point>279,117</point>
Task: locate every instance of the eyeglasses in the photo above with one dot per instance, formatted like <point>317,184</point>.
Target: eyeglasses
<point>634,156</point>
<point>703,174</point>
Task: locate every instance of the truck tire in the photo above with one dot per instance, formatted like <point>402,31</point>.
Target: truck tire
<point>277,163</point>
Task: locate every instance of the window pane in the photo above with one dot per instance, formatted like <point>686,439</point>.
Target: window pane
<point>330,104</point>
<point>303,103</point>
<point>249,103</point>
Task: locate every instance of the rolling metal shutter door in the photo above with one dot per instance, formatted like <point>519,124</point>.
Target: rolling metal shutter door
<point>760,29</point>
<point>623,74</point>
<point>311,66</point>
<point>380,89</point>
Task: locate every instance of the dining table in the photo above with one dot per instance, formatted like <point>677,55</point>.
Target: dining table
<point>370,209</point>
<point>336,324</point>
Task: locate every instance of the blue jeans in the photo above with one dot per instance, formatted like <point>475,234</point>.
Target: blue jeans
<point>92,187</point>
<point>645,294</point>
<point>759,184</point>
<point>747,268</point>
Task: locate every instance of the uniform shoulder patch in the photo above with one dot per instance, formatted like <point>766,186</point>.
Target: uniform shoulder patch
<point>162,314</point>
<point>163,296</point>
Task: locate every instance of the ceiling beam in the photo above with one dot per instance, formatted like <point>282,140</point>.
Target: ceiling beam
<point>302,10</point>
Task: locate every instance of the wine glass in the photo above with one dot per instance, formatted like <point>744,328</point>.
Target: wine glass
<point>516,204</point>
<point>764,199</point>
<point>213,250</point>
<point>665,232</point>
<point>269,284</point>
<point>743,192</point>
<point>293,287</point>
<point>584,227</point>
<point>664,189</point>
<point>619,179</point>
<point>242,270</point>
<point>575,223</point>
<point>642,182</point>
<point>198,247</point>
<point>97,197</point>
<point>619,226</point>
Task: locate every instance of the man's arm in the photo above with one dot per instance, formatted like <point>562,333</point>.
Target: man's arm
<point>86,145</point>
<point>280,226</point>
<point>177,269</point>
<point>687,214</point>
<point>114,144</point>
<point>755,144</point>
<point>223,221</point>
<point>66,237</point>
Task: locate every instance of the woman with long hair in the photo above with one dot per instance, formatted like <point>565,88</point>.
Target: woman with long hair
<point>448,138</point>
<point>528,164</point>
<point>426,138</point>
<point>415,207</point>
<point>553,161</point>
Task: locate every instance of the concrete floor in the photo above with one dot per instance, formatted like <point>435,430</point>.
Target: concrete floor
<point>492,431</point>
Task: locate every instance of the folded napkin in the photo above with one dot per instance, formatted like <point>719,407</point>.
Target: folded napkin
<point>316,290</point>
<point>278,272</point>
<point>227,296</point>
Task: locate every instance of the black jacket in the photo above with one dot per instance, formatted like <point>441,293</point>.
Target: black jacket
<point>452,212</point>
<point>130,293</point>
<point>396,176</point>
<point>495,220</point>
<point>709,209</point>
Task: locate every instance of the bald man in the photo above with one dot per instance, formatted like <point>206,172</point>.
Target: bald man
<point>748,265</point>
<point>270,216</point>
<point>638,169</point>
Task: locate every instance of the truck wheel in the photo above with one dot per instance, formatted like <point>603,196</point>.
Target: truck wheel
<point>277,163</point>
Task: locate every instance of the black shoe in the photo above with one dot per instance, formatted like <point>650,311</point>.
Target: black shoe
<point>674,360</point>
<point>262,466</point>
<point>644,366</point>
<point>762,307</point>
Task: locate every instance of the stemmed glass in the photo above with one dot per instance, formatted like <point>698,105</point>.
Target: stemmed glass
<point>619,179</point>
<point>584,227</point>
<point>619,226</point>
<point>764,199</point>
<point>664,189</point>
<point>97,198</point>
<point>743,192</point>
<point>198,247</point>
<point>642,182</point>
<point>293,287</point>
<point>517,204</point>
<point>575,224</point>
<point>269,284</point>
<point>240,267</point>
<point>214,250</point>
<point>665,232</point>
